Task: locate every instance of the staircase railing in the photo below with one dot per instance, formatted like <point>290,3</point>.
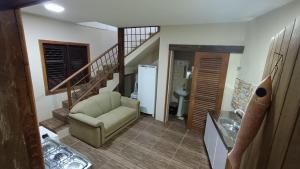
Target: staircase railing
<point>136,36</point>
<point>87,80</point>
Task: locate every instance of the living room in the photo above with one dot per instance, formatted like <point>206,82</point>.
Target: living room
<point>83,70</point>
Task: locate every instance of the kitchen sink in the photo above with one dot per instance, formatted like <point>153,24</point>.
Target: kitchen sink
<point>231,126</point>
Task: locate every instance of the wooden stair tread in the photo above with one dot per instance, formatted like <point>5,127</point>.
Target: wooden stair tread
<point>102,83</point>
<point>110,76</point>
<point>65,104</point>
<point>53,124</point>
<point>62,127</point>
<point>61,114</point>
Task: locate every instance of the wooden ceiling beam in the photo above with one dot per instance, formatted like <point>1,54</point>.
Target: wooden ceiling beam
<point>16,4</point>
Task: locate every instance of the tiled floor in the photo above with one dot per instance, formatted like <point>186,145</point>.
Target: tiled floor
<point>147,144</point>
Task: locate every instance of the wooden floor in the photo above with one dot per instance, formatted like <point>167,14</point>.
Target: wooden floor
<point>148,144</point>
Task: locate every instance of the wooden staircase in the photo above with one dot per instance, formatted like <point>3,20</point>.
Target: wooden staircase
<point>87,81</point>
<point>60,115</point>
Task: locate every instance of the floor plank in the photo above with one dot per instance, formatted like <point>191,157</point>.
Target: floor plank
<point>148,144</point>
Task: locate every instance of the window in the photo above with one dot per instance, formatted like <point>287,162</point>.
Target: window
<point>60,60</point>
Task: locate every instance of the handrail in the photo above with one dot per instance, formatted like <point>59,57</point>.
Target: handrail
<point>82,69</point>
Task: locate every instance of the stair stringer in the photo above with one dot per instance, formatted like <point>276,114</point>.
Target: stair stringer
<point>139,51</point>
<point>111,84</point>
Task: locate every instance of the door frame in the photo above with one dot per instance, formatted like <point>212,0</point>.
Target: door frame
<point>193,48</point>
<point>168,85</point>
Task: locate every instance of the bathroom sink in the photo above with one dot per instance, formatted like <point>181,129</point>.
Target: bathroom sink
<point>230,125</point>
<point>181,92</point>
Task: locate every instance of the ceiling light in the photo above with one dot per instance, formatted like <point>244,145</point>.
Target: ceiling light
<point>54,7</point>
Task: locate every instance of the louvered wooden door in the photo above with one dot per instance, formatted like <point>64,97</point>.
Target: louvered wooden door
<point>208,82</point>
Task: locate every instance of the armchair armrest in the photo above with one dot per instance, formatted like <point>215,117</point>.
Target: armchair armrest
<point>86,119</point>
<point>135,104</point>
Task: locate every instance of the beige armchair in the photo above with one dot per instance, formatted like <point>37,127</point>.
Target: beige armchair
<point>98,118</point>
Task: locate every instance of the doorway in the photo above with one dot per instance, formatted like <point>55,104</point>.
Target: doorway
<point>195,85</point>
<point>180,80</point>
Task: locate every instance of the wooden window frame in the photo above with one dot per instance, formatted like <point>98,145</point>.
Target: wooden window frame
<point>45,78</point>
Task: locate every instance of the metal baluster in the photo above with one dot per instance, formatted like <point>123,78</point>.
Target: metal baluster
<point>126,42</point>
<point>102,65</point>
<point>109,59</point>
<point>115,54</point>
<point>140,35</point>
<point>69,95</point>
<point>135,39</point>
<point>97,65</point>
<point>74,85</point>
<point>112,58</point>
<point>82,74</point>
<point>105,63</point>
<point>131,39</point>
<point>75,93</point>
<point>145,33</point>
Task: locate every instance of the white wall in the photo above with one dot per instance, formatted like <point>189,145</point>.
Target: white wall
<point>258,37</point>
<point>146,57</point>
<point>207,34</point>
<point>232,74</point>
<point>254,35</point>
<point>111,84</point>
<point>36,28</point>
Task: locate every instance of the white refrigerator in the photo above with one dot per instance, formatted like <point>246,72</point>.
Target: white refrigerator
<point>147,88</point>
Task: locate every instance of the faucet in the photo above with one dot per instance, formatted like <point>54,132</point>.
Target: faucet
<point>184,87</point>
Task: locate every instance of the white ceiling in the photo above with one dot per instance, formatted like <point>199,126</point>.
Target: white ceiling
<point>159,12</point>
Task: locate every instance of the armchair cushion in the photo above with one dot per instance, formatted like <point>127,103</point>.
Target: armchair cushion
<point>116,118</point>
<point>104,102</point>
<point>115,99</point>
<point>127,102</point>
<point>98,104</point>
<point>89,107</point>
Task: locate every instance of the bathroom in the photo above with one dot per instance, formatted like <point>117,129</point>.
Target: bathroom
<point>181,79</point>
